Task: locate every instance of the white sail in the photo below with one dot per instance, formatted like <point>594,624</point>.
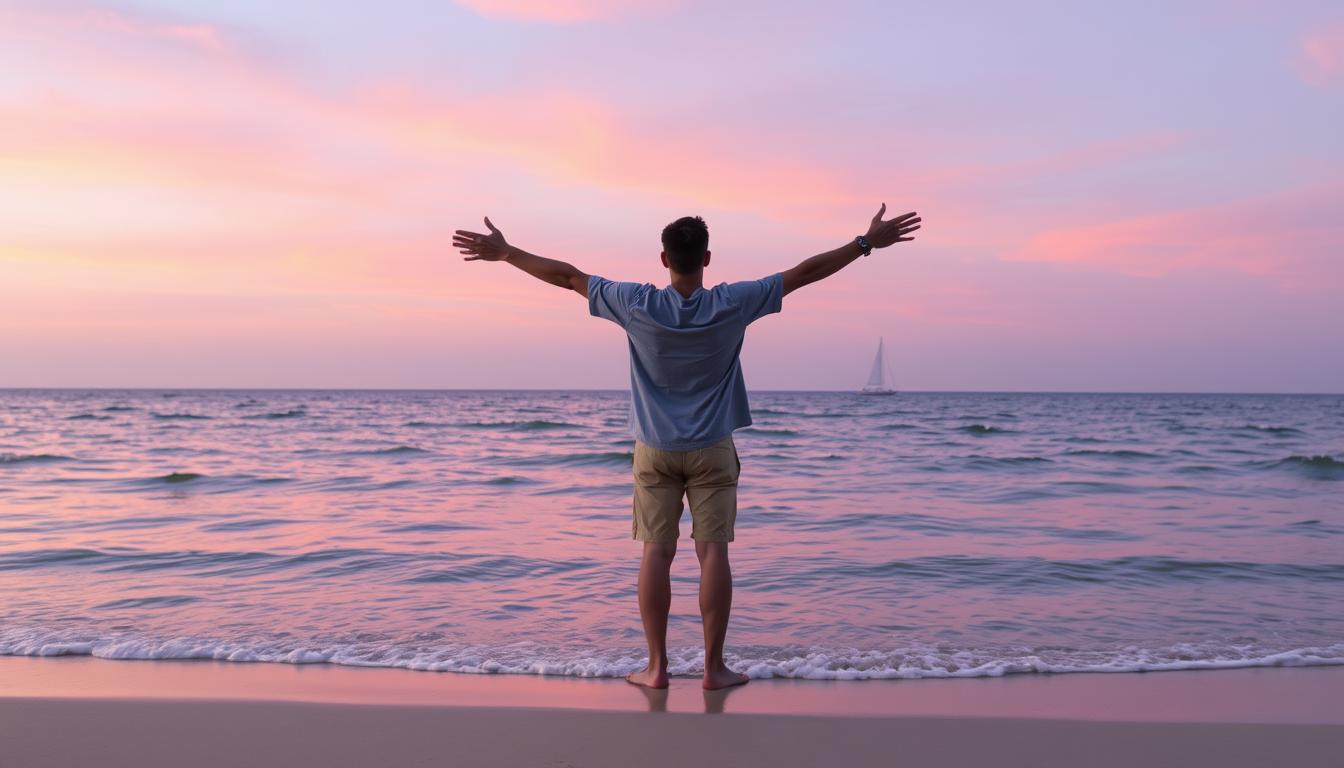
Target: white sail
<point>877,379</point>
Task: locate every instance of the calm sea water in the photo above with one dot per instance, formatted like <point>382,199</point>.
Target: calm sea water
<point>918,535</point>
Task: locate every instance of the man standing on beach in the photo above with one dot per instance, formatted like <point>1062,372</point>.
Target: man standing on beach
<point>688,396</point>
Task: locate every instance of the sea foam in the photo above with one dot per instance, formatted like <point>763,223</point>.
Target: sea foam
<point>794,662</point>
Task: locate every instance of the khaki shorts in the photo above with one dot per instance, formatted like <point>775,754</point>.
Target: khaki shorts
<point>708,478</point>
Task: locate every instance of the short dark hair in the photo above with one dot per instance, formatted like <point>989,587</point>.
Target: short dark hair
<point>685,242</point>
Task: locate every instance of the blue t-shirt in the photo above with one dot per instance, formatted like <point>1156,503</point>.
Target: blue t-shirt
<point>685,377</point>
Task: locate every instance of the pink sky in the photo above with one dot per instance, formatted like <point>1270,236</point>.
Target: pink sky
<point>234,194</point>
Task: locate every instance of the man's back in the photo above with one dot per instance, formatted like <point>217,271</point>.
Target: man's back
<point>685,375</point>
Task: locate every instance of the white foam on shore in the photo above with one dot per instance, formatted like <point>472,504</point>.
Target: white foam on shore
<point>812,663</point>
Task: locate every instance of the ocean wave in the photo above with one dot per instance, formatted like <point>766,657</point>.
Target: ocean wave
<point>1322,462</point>
<point>350,484</point>
<point>508,480</point>
<point>1315,529</point>
<point>1023,574</point>
<point>252,524</point>
<point>161,601</point>
<point>914,661</point>
<point>31,458</point>
<point>981,429</point>
<point>87,417</point>
<point>431,528</point>
<point>1280,431</point>
<point>400,450</point>
<point>932,525</point>
<point>98,524</point>
<point>605,458</point>
<point>177,477</point>
<point>771,432</point>
<point>119,408</point>
<point>1062,489</point>
<point>600,459</point>
<point>1113,454</point>
<point>1198,469</point>
<point>523,426</point>
<point>409,567</point>
<point>212,484</point>
<point>498,568</point>
<point>1320,467</point>
<point>292,413</point>
<point>181,416</point>
<point>1004,462</point>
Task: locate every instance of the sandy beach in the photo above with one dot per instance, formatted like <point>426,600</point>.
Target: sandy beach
<point>153,733</point>
<point>74,712</point>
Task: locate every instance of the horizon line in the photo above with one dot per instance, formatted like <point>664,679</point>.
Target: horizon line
<point>627,390</point>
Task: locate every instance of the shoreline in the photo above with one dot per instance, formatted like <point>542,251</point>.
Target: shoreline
<point>1300,695</point>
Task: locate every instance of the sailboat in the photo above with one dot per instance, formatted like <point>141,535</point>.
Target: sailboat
<point>877,379</point>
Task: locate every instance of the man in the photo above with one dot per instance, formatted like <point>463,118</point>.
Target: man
<point>688,396</point>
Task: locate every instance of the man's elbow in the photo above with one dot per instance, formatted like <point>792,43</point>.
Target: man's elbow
<point>795,278</point>
<point>578,283</point>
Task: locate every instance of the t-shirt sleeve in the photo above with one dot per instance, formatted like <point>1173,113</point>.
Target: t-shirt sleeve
<point>758,298</point>
<point>610,299</point>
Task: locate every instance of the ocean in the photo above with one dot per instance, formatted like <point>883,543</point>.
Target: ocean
<point>913,536</point>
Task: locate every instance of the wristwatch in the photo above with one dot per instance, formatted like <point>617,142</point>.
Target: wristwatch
<point>864,244</point>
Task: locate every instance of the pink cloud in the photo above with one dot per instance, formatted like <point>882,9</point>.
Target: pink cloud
<point>1057,162</point>
<point>62,16</point>
<point>588,141</point>
<point>564,11</point>
<point>200,35</point>
<point>1291,236</point>
<point>1320,57</point>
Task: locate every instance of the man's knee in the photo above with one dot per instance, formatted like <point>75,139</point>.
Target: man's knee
<point>660,551</point>
<point>711,551</point>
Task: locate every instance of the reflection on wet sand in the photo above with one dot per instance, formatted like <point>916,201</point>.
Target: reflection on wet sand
<point>656,698</point>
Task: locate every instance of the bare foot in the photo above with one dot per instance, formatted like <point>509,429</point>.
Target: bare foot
<point>723,677</point>
<point>649,678</point>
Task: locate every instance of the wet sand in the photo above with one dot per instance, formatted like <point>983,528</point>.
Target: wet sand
<point>81,711</point>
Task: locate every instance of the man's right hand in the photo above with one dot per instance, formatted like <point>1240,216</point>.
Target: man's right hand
<point>884,233</point>
<point>481,247</point>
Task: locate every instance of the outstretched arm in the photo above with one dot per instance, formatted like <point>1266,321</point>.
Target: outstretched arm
<point>493,247</point>
<point>880,235</point>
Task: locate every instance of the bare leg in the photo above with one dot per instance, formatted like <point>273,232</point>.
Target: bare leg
<point>716,601</point>
<point>655,600</point>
